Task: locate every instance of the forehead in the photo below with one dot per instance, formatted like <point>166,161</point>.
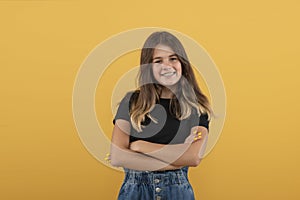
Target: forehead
<point>162,51</point>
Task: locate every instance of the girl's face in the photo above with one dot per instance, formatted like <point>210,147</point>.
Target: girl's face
<point>166,66</point>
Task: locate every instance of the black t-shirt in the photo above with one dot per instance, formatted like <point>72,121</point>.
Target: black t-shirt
<point>167,130</point>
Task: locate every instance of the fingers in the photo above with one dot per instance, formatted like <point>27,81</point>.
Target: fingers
<point>197,135</point>
<point>107,158</point>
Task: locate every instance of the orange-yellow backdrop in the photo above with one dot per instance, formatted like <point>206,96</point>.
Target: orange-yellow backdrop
<point>255,45</point>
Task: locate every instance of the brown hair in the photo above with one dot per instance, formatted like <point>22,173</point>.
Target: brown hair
<point>188,94</point>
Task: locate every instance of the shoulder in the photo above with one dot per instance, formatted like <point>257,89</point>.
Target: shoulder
<point>204,116</point>
<point>131,96</point>
<point>123,111</point>
<point>199,119</point>
<point>199,114</point>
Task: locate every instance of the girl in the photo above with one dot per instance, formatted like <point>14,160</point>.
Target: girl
<point>161,128</point>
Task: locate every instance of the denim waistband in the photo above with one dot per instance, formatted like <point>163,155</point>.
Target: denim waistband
<point>168,177</point>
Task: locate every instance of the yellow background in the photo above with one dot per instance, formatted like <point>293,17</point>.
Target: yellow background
<point>255,45</point>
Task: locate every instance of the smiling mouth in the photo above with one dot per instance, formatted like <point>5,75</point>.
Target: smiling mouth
<point>168,74</point>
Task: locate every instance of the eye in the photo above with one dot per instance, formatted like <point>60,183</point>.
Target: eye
<point>174,59</point>
<point>157,61</point>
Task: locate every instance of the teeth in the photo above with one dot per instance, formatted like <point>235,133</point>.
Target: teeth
<point>168,74</point>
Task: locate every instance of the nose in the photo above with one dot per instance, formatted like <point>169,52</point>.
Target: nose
<point>166,64</point>
<point>166,67</point>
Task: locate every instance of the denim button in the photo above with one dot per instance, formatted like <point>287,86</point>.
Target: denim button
<point>157,189</point>
<point>158,198</point>
<point>156,180</point>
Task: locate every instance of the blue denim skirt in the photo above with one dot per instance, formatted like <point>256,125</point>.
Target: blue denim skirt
<point>156,185</point>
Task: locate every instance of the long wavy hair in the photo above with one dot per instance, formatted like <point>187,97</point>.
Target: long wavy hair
<point>187,95</point>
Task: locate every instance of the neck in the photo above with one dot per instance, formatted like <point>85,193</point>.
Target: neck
<point>167,93</point>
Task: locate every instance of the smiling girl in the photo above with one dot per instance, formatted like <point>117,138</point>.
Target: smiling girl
<point>161,128</point>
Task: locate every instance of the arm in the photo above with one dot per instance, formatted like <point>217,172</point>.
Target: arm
<point>122,156</point>
<point>187,154</point>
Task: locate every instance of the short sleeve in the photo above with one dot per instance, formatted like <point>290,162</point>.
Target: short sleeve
<point>123,109</point>
<point>203,120</point>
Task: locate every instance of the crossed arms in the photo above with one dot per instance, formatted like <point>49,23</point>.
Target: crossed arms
<point>142,155</point>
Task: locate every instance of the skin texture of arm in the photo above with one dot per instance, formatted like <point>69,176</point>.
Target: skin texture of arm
<point>122,156</point>
<point>186,154</point>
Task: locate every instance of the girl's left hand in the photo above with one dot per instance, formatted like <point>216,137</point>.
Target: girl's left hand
<point>195,136</point>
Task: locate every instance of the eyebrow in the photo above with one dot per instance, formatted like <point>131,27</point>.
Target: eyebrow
<point>161,57</point>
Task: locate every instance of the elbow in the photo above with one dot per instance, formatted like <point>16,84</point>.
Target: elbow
<point>195,161</point>
<point>191,160</point>
<point>114,162</point>
<point>115,159</point>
